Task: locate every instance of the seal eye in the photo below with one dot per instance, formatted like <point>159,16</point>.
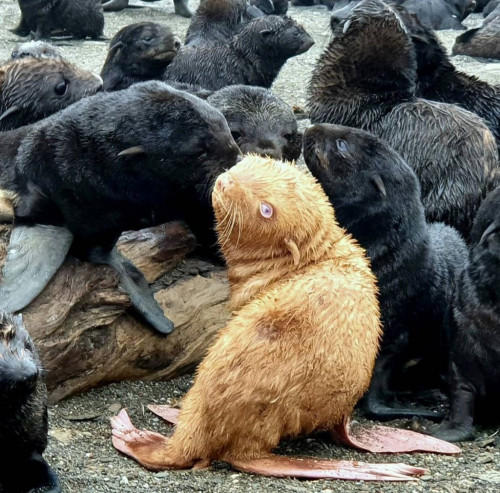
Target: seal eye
<point>288,137</point>
<point>266,210</point>
<point>342,145</point>
<point>147,39</point>
<point>61,88</point>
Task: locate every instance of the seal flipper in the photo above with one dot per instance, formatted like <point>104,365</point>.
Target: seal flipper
<point>310,468</point>
<point>168,413</point>
<point>382,439</point>
<point>135,285</point>
<point>34,255</point>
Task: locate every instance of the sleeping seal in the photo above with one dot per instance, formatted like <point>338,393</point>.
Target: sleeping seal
<point>100,167</point>
<point>376,197</point>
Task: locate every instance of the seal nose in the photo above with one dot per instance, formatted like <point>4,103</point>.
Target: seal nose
<point>224,182</point>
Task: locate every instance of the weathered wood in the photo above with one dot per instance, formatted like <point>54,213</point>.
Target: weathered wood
<point>87,336</point>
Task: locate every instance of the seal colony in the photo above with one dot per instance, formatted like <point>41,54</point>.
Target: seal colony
<point>287,258</point>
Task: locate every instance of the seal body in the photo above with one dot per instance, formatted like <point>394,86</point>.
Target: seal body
<point>299,352</point>
<point>439,80</point>
<point>474,373</point>
<point>23,414</point>
<point>482,42</point>
<point>451,150</point>
<point>33,88</point>
<point>260,122</point>
<point>137,53</point>
<point>376,196</point>
<point>254,57</point>
<point>80,18</point>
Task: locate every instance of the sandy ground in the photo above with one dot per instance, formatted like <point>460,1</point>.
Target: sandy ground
<point>80,445</point>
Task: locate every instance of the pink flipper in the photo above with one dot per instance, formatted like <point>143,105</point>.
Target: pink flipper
<point>309,468</point>
<point>142,445</point>
<point>169,414</point>
<point>382,439</point>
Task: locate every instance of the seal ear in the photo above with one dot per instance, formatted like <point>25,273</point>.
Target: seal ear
<point>132,151</point>
<point>492,228</point>
<point>379,185</point>
<point>115,46</point>
<point>294,250</point>
<point>266,32</point>
<point>10,111</point>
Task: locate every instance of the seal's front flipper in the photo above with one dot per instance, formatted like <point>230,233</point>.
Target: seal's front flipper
<point>115,5</point>
<point>382,439</point>
<point>136,286</point>
<point>34,255</point>
<point>169,414</point>
<point>310,468</point>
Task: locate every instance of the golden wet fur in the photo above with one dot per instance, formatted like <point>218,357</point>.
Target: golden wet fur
<point>300,350</point>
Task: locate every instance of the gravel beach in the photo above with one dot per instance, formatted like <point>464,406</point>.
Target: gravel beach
<point>80,436</point>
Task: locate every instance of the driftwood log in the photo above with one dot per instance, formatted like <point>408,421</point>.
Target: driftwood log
<point>87,336</point>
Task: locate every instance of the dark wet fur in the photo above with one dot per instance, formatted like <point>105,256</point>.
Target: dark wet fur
<point>483,42</point>
<point>260,122</point>
<point>366,78</point>
<point>253,57</point>
<point>439,80</point>
<point>474,373</point>
<point>137,53</point>
<point>39,87</point>
<point>416,263</point>
<point>66,169</point>
<point>23,414</point>
<point>81,19</point>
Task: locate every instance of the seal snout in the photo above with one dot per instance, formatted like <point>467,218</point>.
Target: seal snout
<point>224,182</point>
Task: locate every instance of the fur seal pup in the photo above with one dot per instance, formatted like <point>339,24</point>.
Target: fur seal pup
<point>439,80</point>
<point>260,122</point>
<point>436,14</point>
<point>100,167</point>
<point>299,352</point>
<point>217,21</point>
<point>36,49</point>
<point>253,57</point>
<point>474,371</point>
<point>366,79</point>
<point>23,414</point>
<point>137,53</point>
<point>81,18</point>
<point>483,42</point>
<point>34,88</point>
<point>376,197</point>
<point>181,7</point>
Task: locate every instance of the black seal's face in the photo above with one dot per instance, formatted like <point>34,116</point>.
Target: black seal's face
<point>260,122</point>
<point>352,165</point>
<point>281,37</point>
<point>485,234</point>
<point>145,46</point>
<point>32,89</point>
<point>19,366</point>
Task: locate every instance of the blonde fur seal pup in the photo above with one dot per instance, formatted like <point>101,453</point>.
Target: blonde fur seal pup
<point>300,350</point>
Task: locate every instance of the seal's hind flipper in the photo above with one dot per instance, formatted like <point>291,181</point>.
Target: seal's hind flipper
<point>169,414</point>
<point>34,255</point>
<point>382,439</point>
<point>115,5</point>
<point>136,286</point>
<point>310,468</point>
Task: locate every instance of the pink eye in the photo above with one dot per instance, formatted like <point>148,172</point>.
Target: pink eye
<point>266,210</point>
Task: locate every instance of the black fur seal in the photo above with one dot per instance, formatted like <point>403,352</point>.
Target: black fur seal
<point>376,197</point>
<point>33,88</point>
<point>366,78</point>
<point>260,122</point>
<point>474,371</point>
<point>81,18</point>
<point>181,6</point>
<point>217,21</point>
<point>137,53</point>
<point>253,57</point>
<point>483,42</point>
<point>100,167</point>
<point>23,414</point>
<point>439,80</point>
